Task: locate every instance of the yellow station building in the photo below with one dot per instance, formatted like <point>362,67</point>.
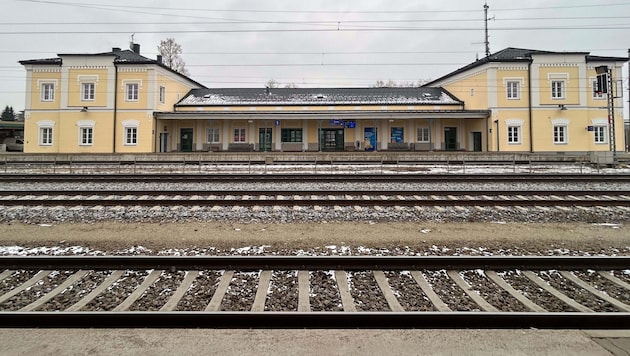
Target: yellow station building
<point>515,100</point>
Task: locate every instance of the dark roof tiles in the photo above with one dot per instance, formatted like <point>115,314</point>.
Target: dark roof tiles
<point>318,96</point>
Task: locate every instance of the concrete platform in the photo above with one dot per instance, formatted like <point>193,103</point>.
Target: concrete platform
<point>310,342</point>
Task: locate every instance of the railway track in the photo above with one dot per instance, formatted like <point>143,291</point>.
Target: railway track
<point>583,198</point>
<point>315,292</point>
<point>299,177</point>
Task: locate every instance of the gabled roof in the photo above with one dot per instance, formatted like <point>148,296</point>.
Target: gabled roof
<point>512,54</point>
<point>318,96</point>
<point>120,57</point>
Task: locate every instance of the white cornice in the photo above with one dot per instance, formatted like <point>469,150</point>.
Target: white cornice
<point>47,70</point>
<point>132,69</point>
<point>512,67</point>
<point>87,67</point>
<point>559,64</point>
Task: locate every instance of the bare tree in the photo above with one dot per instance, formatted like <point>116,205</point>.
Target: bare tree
<point>272,83</point>
<point>171,55</point>
<point>393,84</point>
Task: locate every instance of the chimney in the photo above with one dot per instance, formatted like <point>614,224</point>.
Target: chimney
<point>115,49</point>
<point>159,59</point>
<point>135,47</point>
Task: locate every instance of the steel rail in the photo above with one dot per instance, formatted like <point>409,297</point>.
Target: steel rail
<point>623,202</point>
<point>322,177</point>
<point>316,320</point>
<point>292,192</point>
<point>174,263</point>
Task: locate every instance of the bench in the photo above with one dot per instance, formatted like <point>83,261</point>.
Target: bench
<point>241,147</point>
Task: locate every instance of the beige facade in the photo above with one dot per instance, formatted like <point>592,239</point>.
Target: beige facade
<point>542,101</point>
<point>97,103</point>
<point>515,100</point>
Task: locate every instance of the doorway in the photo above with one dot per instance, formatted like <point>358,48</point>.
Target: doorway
<point>186,139</point>
<point>163,142</point>
<point>476,141</point>
<point>264,139</point>
<point>450,138</point>
<point>331,140</point>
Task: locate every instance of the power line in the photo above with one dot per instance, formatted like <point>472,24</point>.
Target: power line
<point>324,22</point>
<point>362,29</point>
<point>110,6</point>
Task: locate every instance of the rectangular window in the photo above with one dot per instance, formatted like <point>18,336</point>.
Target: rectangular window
<point>597,94</point>
<point>512,90</point>
<point>514,134</point>
<point>213,135</point>
<point>424,135</point>
<point>132,92</point>
<point>45,136</point>
<point>559,134</point>
<point>131,135</point>
<point>86,136</point>
<point>162,94</point>
<point>600,134</point>
<point>291,135</point>
<point>557,89</point>
<point>48,92</point>
<point>239,135</point>
<point>87,91</point>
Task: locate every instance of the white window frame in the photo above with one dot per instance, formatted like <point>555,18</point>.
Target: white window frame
<point>596,95</point>
<point>514,134</point>
<point>43,126</point>
<point>213,135</point>
<point>560,134</point>
<point>86,132</point>
<point>162,94</point>
<point>424,134</point>
<point>240,135</point>
<point>560,125</point>
<point>48,91</point>
<point>600,134</point>
<point>513,89</point>
<point>600,131</point>
<point>132,91</point>
<point>514,131</point>
<point>45,135</point>
<point>88,91</point>
<point>558,89</point>
<point>86,135</point>
<point>131,135</point>
<point>128,126</point>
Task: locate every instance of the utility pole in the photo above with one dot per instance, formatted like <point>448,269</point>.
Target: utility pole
<point>485,18</point>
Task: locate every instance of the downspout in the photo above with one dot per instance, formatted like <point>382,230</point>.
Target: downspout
<point>498,138</point>
<point>529,107</point>
<point>115,104</point>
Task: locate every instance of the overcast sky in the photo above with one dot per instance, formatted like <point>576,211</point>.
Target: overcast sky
<point>321,43</point>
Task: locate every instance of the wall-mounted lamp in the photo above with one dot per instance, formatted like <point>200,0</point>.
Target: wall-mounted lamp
<point>85,109</point>
<point>165,128</point>
<point>390,120</point>
<point>562,107</point>
<point>250,121</point>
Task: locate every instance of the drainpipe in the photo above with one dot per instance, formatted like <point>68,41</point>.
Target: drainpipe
<point>529,107</point>
<point>115,104</point>
<point>498,142</point>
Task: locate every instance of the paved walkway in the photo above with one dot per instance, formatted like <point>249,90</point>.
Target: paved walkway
<point>188,342</point>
